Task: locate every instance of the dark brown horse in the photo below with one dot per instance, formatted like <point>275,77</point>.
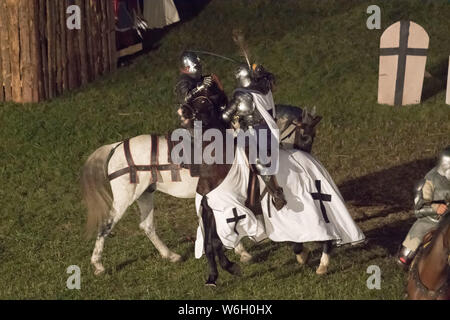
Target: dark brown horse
<point>429,276</point>
<point>211,176</point>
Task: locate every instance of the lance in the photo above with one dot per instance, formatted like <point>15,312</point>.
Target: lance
<point>215,55</point>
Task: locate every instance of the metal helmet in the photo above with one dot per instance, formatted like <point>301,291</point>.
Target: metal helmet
<point>443,166</point>
<point>243,75</point>
<point>191,64</point>
<point>245,104</point>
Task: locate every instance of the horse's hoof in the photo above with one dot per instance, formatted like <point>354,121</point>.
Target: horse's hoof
<point>322,269</point>
<point>235,270</point>
<point>211,284</point>
<point>245,258</point>
<point>173,257</point>
<point>302,258</point>
<point>99,270</point>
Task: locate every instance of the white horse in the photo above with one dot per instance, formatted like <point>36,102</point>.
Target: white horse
<point>107,197</point>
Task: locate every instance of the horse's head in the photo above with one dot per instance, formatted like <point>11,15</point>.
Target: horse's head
<point>307,134</point>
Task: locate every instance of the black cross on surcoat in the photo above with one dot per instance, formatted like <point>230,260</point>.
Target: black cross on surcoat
<point>235,219</point>
<point>321,197</point>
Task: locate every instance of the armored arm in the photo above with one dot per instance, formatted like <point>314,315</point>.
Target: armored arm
<point>228,112</point>
<point>422,202</point>
<point>186,90</point>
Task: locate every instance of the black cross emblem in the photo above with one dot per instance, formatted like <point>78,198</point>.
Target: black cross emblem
<point>402,51</point>
<point>235,219</point>
<point>321,197</point>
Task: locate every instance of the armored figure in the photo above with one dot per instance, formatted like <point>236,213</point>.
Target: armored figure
<point>430,203</point>
<point>253,107</point>
<point>258,79</point>
<point>195,91</point>
<point>256,85</point>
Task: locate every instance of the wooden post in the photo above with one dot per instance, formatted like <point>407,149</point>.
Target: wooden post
<point>82,44</point>
<point>58,45</point>
<point>14,49</point>
<point>448,83</point>
<point>96,38</point>
<point>63,36</point>
<point>25,50</point>
<point>76,56</point>
<point>43,42</point>
<point>89,41</point>
<point>112,36</point>
<point>2,93</point>
<point>36,74</point>
<point>5,48</point>
<point>104,36</point>
<point>51,51</point>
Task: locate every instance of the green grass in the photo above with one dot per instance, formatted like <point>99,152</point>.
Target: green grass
<point>323,55</point>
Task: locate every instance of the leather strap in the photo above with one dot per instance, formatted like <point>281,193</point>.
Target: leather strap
<point>175,172</point>
<point>154,158</point>
<point>132,168</point>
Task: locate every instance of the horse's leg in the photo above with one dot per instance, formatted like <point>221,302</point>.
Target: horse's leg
<point>116,213</point>
<point>207,218</point>
<point>98,248</point>
<point>226,264</point>
<point>240,250</point>
<point>145,203</point>
<point>325,258</point>
<point>301,252</point>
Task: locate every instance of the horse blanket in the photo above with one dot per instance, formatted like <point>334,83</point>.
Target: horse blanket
<point>315,209</point>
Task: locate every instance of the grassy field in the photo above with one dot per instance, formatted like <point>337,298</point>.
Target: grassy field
<point>323,55</point>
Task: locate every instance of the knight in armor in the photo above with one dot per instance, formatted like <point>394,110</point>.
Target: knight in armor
<point>430,203</point>
<point>195,91</point>
<point>252,98</point>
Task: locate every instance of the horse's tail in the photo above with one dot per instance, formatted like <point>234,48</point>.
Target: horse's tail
<point>96,189</point>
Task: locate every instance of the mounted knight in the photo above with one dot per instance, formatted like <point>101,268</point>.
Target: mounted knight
<point>252,107</point>
<point>430,204</point>
<point>195,91</point>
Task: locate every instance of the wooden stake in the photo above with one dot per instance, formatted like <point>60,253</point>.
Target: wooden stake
<point>2,93</point>
<point>58,46</point>
<point>96,39</point>
<point>36,80</point>
<point>51,52</point>
<point>112,36</point>
<point>104,36</point>
<point>448,83</point>
<point>63,36</point>
<point>90,53</point>
<point>6,57</point>
<point>25,51</point>
<point>14,52</point>
<point>82,44</point>
<point>44,47</point>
